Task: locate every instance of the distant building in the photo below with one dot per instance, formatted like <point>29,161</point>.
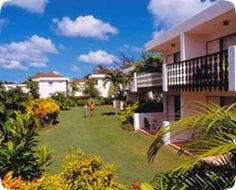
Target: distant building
<point>81,83</point>
<point>98,76</point>
<point>11,85</point>
<point>50,83</point>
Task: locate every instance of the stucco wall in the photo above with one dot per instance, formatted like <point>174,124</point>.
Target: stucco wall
<point>46,90</point>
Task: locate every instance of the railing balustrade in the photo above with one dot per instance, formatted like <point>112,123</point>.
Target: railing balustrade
<point>202,73</point>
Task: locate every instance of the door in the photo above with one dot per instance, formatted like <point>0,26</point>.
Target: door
<point>177,103</point>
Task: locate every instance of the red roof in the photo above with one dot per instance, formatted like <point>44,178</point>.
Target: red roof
<point>47,75</point>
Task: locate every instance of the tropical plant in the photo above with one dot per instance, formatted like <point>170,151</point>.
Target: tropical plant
<point>117,82</point>
<point>80,172</point>
<point>74,87</point>
<point>18,147</point>
<point>46,110</point>
<point>62,100</point>
<point>15,99</point>
<point>149,63</point>
<point>33,87</point>
<point>127,113</point>
<point>212,142</point>
<point>90,89</point>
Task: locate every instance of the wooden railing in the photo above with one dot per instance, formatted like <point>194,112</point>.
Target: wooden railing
<point>208,72</point>
<point>145,80</point>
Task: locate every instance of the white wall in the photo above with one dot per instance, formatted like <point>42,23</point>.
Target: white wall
<point>152,118</point>
<point>104,90</point>
<point>57,85</point>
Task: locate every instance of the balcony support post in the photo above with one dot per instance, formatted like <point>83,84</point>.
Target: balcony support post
<point>164,78</point>
<point>232,68</point>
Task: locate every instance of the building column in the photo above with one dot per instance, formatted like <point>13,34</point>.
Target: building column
<point>232,68</point>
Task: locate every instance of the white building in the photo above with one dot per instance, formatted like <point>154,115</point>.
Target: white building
<point>12,85</point>
<point>81,84</point>
<point>199,59</point>
<point>98,77</point>
<point>50,83</point>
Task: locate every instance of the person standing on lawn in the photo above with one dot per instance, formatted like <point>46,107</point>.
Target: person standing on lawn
<point>85,110</point>
<point>92,107</point>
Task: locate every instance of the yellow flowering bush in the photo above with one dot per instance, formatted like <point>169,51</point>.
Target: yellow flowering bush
<point>46,110</point>
<point>128,112</point>
<point>80,172</point>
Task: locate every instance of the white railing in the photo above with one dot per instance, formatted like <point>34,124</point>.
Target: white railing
<point>145,80</point>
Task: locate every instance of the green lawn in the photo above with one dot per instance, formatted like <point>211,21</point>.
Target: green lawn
<point>102,136</point>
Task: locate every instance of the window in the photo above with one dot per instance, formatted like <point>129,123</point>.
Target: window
<point>50,83</point>
<point>96,82</point>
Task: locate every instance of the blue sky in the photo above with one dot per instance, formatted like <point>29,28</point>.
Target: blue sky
<point>73,36</point>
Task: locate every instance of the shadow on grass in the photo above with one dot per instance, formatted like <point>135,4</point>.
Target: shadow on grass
<point>109,113</point>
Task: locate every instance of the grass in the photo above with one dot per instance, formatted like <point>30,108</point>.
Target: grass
<point>102,135</point>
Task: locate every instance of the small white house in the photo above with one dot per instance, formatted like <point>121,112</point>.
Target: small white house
<point>50,83</point>
<point>81,83</point>
<point>11,85</point>
<point>98,77</point>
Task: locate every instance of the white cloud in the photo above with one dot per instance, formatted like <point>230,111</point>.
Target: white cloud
<point>75,68</point>
<point>15,65</point>
<point>85,27</point>
<point>156,34</point>
<point>34,6</point>
<point>127,47</point>
<point>97,57</point>
<point>29,53</point>
<point>167,13</point>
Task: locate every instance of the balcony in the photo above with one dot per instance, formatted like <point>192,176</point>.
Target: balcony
<point>210,72</point>
<point>145,80</point>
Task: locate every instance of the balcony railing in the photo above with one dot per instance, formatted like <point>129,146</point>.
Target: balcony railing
<point>203,73</point>
<point>145,80</point>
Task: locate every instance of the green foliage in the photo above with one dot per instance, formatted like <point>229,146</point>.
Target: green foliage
<point>14,99</point>
<point>80,172</point>
<point>213,132</point>
<point>43,112</point>
<point>127,127</point>
<point>33,87</point>
<point>90,89</point>
<point>62,100</point>
<point>18,147</point>
<point>149,63</point>
<point>74,87</point>
<point>128,112</point>
<point>117,82</point>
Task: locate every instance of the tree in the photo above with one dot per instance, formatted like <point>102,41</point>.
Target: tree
<point>149,63</point>
<point>117,82</point>
<point>90,89</point>
<point>74,87</point>
<point>33,87</point>
<point>213,132</point>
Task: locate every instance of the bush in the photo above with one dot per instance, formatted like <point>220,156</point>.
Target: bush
<point>80,172</point>
<point>19,153</point>
<point>128,112</point>
<point>127,127</point>
<point>46,110</point>
<point>62,100</point>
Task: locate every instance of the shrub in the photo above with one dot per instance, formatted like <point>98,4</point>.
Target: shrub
<point>18,148</point>
<point>128,112</point>
<point>62,100</point>
<point>127,127</point>
<point>87,172</point>
<point>46,110</point>
<point>80,172</point>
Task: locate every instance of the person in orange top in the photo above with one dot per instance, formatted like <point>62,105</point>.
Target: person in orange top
<point>92,107</point>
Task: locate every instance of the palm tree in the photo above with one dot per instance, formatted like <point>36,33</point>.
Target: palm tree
<point>117,82</point>
<point>214,137</point>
